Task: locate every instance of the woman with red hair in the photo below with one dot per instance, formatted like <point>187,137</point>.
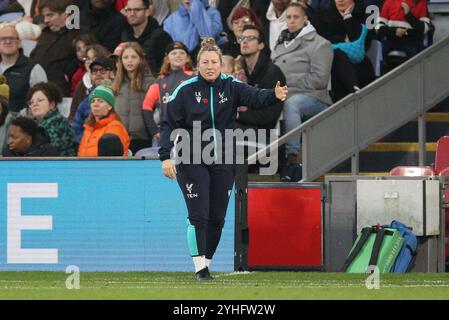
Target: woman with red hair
<point>240,17</point>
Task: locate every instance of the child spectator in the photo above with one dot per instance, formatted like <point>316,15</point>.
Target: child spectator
<point>402,26</point>
<point>54,47</point>
<point>240,17</point>
<point>131,83</point>
<point>176,68</point>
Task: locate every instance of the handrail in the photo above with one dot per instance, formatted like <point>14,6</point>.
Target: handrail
<point>356,121</point>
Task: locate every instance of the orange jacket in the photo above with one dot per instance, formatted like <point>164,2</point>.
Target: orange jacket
<point>89,143</point>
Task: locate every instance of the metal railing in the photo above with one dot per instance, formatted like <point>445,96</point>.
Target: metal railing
<point>360,119</point>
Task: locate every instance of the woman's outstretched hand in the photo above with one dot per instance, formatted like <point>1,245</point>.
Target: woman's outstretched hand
<point>169,169</point>
<point>281,92</point>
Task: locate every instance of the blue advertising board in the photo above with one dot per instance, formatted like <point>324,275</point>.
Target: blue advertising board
<point>98,215</point>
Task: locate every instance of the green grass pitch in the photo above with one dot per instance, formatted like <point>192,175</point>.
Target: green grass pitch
<point>226,286</point>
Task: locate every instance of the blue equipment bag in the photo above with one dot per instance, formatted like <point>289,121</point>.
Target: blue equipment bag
<point>407,255</point>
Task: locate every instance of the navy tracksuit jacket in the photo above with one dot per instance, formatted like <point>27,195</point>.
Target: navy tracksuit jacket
<point>207,187</point>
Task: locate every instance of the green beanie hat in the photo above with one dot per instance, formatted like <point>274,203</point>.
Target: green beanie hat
<point>103,93</point>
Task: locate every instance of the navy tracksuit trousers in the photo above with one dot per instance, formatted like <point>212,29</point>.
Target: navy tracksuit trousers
<point>206,190</point>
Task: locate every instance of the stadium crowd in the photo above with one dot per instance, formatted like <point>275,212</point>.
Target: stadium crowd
<point>116,70</point>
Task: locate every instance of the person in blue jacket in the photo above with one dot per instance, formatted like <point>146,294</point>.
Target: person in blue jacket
<point>210,99</point>
<point>194,20</point>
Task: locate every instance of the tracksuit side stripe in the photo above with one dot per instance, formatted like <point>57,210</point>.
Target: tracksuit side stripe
<point>191,239</point>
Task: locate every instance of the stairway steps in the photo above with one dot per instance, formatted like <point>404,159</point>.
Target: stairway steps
<point>437,125</point>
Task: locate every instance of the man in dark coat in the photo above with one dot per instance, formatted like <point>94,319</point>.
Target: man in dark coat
<point>261,73</point>
<point>145,30</point>
<point>103,20</point>
<point>54,50</point>
<point>225,7</point>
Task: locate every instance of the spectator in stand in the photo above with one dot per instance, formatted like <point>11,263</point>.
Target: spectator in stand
<point>306,60</point>
<point>276,21</point>
<point>402,26</point>
<point>176,68</point>
<point>93,52</point>
<point>227,8</point>
<point>101,70</point>
<point>115,56</point>
<point>343,24</point>
<point>102,120</point>
<point>193,21</point>
<point>120,5</point>
<point>316,6</point>
<point>27,139</point>
<point>232,66</point>
<point>261,73</point>
<point>31,9</point>
<point>76,70</point>
<point>103,20</point>
<point>132,80</point>
<point>21,72</point>
<point>240,18</point>
<point>228,65</point>
<point>5,116</point>
<point>43,100</point>
<point>145,30</point>
<point>110,145</point>
<point>54,47</point>
<point>173,5</point>
<point>5,6</point>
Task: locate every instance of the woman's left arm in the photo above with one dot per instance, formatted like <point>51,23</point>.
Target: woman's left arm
<point>259,98</point>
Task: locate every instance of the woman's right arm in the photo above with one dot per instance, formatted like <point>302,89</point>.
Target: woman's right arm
<point>174,118</point>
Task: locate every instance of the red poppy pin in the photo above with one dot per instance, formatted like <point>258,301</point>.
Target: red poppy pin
<point>206,101</point>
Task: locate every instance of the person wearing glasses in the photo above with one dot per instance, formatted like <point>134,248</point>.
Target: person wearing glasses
<point>43,99</point>
<point>54,48</point>
<point>305,58</point>
<point>176,69</point>
<point>21,72</point>
<point>145,30</point>
<point>241,17</point>
<point>102,121</point>
<point>101,70</point>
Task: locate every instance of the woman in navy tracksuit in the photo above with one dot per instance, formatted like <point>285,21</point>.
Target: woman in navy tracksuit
<point>211,99</point>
